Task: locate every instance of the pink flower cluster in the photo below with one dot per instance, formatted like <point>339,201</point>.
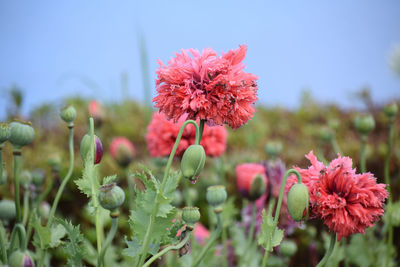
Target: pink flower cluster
<point>162,133</point>
<point>347,202</point>
<point>246,173</point>
<point>207,86</point>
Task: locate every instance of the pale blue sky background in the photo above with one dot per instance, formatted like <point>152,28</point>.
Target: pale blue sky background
<point>332,47</point>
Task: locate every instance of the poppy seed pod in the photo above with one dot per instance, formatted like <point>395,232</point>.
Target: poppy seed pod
<point>38,177</point>
<point>98,148</point>
<point>364,124</point>
<point>7,210</point>
<point>192,162</point>
<point>216,196</point>
<point>325,134</point>
<point>190,216</point>
<point>273,149</point>
<point>288,248</point>
<point>257,188</point>
<point>111,197</point>
<point>4,132</point>
<point>20,259</point>
<point>297,201</point>
<point>68,114</point>
<point>177,200</point>
<point>391,110</point>
<point>25,178</point>
<point>21,134</point>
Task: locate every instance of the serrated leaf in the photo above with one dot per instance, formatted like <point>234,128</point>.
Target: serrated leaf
<point>45,238</point>
<point>109,179</point>
<point>74,247</point>
<point>133,249</point>
<point>270,235</point>
<point>89,180</point>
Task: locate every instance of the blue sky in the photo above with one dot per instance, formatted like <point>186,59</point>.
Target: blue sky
<point>54,49</point>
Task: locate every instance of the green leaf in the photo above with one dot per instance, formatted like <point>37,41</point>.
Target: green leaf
<point>109,179</point>
<point>89,180</point>
<point>133,249</point>
<point>45,238</point>
<point>270,235</point>
<point>74,248</point>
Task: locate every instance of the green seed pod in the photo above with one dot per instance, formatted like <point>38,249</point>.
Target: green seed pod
<point>68,114</point>
<point>98,148</point>
<point>25,179</point>
<point>21,134</point>
<point>38,177</point>
<point>20,259</point>
<point>325,134</point>
<point>297,202</point>
<point>111,197</point>
<point>190,216</point>
<point>4,132</point>
<point>7,210</point>
<point>177,200</point>
<point>390,110</point>
<point>273,149</point>
<point>216,196</point>
<point>192,162</point>
<point>364,124</point>
<point>257,188</point>
<point>288,248</point>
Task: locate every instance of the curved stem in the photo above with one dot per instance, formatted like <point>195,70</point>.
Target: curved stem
<point>335,146</point>
<point>146,240</point>
<point>131,191</point>
<point>201,130</point>
<point>3,244</point>
<point>165,250</point>
<point>107,242</point>
<point>329,251</point>
<point>20,230</point>
<point>26,207</point>
<point>362,157</point>
<point>387,182</point>
<point>210,241</point>
<point>66,178</point>
<point>17,162</point>
<point>278,208</point>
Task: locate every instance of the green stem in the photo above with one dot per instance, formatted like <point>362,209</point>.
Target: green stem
<point>265,258</point>
<point>26,207</point>
<point>154,212</point>
<point>335,146</point>
<point>66,178</point>
<point>3,249</point>
<point>1,163</point>
<point>201,129</point>
<point>387,182</point>
<point>362,157</point>
<point>329,251</point>
<point>210,241</point>
<point>225,247</point>
<point>165,250</point>
<point>107,242</point>
<point>17,162</point>
<point>252,224</point>
<point>19,230</point>
<point>131,191</point>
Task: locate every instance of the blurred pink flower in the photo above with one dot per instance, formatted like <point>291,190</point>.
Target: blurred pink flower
<point>246,173</point>
<point>201,233</point>
<point>162,133</point>
<point>122,151</point>
<point>208,87</point>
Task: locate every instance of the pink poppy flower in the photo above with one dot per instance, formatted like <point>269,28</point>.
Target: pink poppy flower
<point>208,87</point>
<point>201,233</point>
<point>162,133</point>
<point>245,175</point>
<point>122,151</point>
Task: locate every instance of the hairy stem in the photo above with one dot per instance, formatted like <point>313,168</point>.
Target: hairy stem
<point>107,242</point>
<point>165,250</point>
<point>329,251</point>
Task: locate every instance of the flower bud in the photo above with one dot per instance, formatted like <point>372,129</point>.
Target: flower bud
<point>297,202</point>
<point>85,147</point>
<point>7,210</point>
<point>44,210</point>
<point>111,197</point>
<point>273,149</point>
<point>122,151</point>
<point>21,134</point>
<point>216,196</point>
<point>177,200</point>
<point>390,110</point>
<point>96,111</point>
<point>4,132</point>
<point>25,179</point>
<point>288,248</point>
<point>38,177</point>
<point>325,134</point>
<point>20,259</point>
<point>54,162</point>
<point>190,216</point>
<point>364,124</point>
<point>192,162</point>
<point>68,114</point>
<point>257,188</point>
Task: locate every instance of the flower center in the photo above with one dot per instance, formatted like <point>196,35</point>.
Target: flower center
<point>336,202</point>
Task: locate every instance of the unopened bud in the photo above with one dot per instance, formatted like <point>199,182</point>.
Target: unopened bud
<point>192,162</point>
<point>38,177</point>
<point>7,210</point>
<point>68,114</point>
<point>288,248</point>
<point>190,216</point>
<point>98,148</point>
<point>216,196</point>
<point>390,110</point>
<point>273,149</point>
<point>21,134</point>
<point>325,134</point>
<point>20,259</point>
<point>297,202</point>
<point>257,188</point>
<point>364,124</point>
<point>25,179</point>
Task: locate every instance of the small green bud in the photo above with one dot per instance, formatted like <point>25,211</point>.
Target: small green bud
<point>390,110</point>
<point>364,124</point>
<point>273,149</point>
<point>21,134</point>
<point>38,177</point>
<point>4,132</point>
<point>55,162</point>
<point>7,210</point>
<point>25,178</point>
<point>98,148</point>
<point>325,134</point>
<point>216,196</point>
<point>192,162</point>
<point>68,114</point>
<point>111,197</point>
<point>190,216</point>
<point>44,210</point>
<point>20,259</point>
<point>288,248</point>
<point>257,188</point>
<point>177,200</point>
<point>297,202</point>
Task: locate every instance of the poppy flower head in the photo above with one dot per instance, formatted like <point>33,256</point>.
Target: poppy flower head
<point>207,86</point>
<point>246,175</point>
<point>122,150</point>
<point>201,233</point>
